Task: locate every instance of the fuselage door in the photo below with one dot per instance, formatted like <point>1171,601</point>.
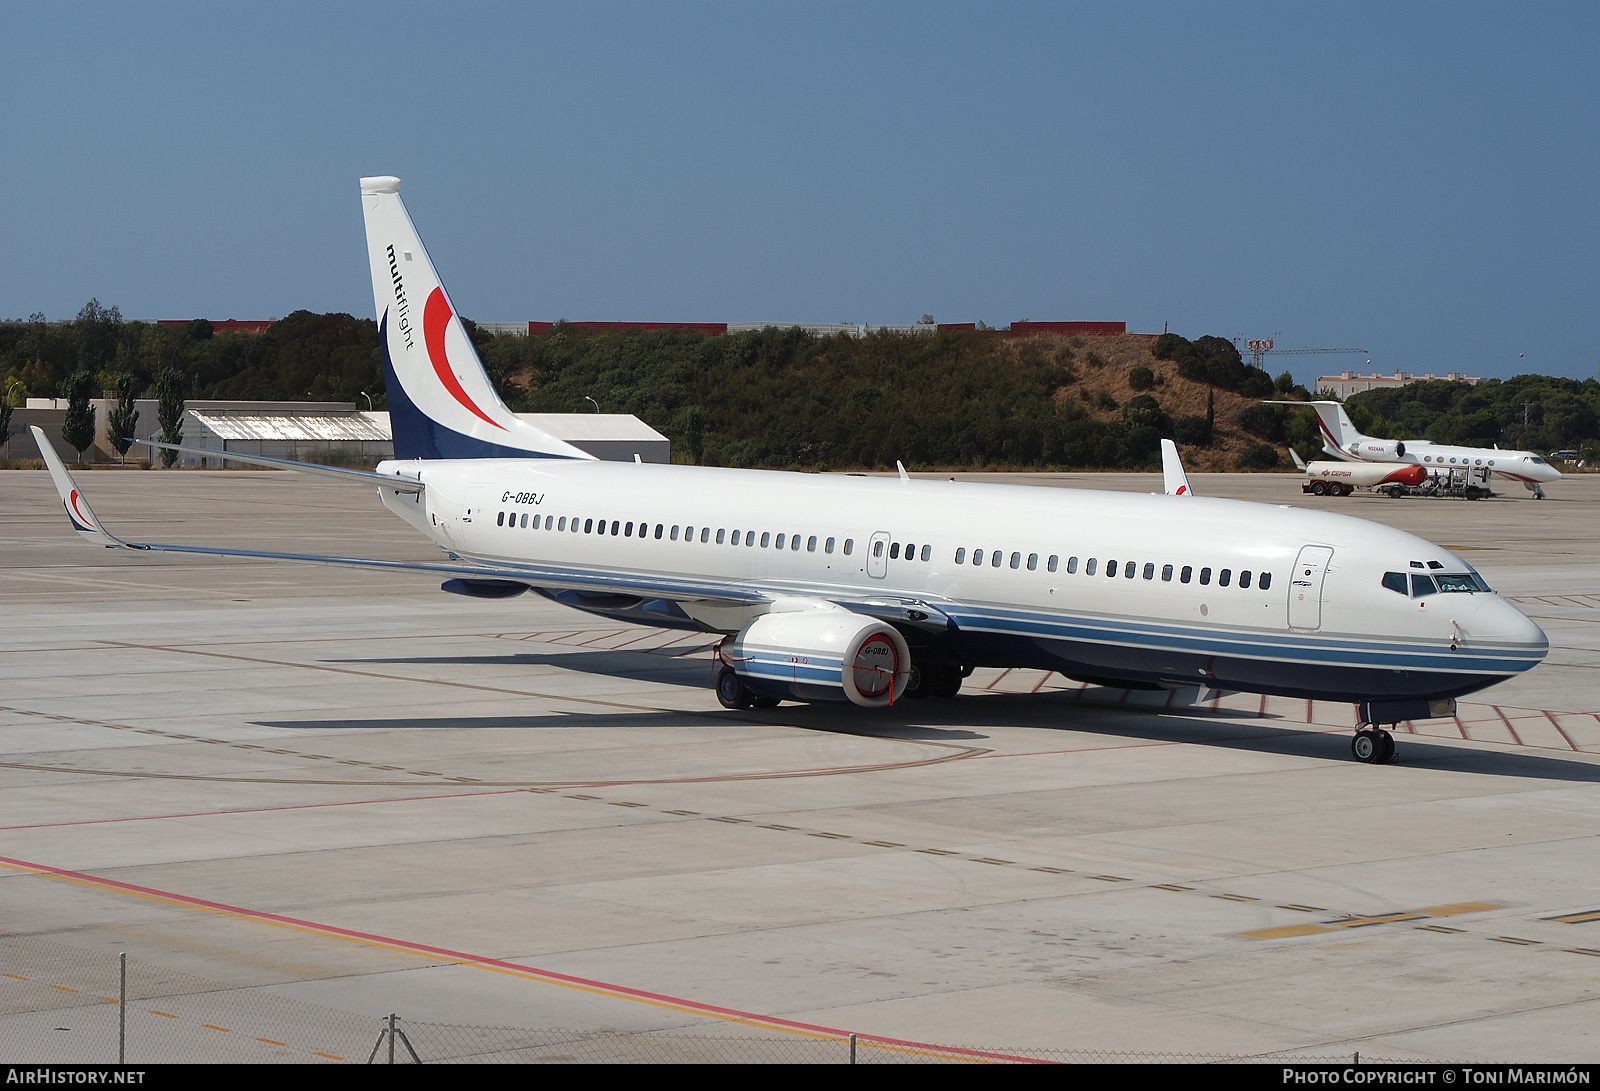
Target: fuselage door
<point>1305,587</point>
<point>470,526</point>
<point>878,555</point>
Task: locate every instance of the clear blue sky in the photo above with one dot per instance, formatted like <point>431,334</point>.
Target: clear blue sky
<point>1417,180</point>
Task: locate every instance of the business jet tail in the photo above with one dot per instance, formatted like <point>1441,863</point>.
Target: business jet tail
<point>441,402</point>
<point>1339,433</point>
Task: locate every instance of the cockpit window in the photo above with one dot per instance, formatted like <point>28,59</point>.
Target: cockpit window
<point>1456,581</point>
<point>1396,582</point>
<point>1536,459</point>
<point>1422,586</point>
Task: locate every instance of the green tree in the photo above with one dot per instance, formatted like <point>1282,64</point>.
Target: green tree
<point>169,410</point>
<point>122,420</point>
<point>78,427</point>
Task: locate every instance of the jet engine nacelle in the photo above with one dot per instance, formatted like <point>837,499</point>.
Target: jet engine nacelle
<point>1380,450</point>
<point>821,652</point>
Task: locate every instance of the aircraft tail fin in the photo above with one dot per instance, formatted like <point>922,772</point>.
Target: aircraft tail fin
<point>1174,480</point>
<point>1339,434</point>
<point>441,402</point>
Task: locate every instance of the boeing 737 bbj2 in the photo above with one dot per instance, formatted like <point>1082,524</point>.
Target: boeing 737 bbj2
<point>871,590</point>
<point>1342,440</point>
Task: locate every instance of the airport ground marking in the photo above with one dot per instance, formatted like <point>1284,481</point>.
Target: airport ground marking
<point>503,966</point>
<point>1577,918</point>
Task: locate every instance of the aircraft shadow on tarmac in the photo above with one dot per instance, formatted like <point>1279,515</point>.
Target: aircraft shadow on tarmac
<point>965,720</point>
<point>691,671</point>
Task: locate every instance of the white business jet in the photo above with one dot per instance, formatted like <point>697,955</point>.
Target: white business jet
<point>872,590</point>
<point>1341,440</point>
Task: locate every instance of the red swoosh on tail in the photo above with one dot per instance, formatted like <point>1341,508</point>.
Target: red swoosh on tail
<point>435,319</point>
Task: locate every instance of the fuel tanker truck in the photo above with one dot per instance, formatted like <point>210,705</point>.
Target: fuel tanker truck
<point>1344,478</point>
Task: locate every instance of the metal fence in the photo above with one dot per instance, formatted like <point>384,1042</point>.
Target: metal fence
<point>61,1004</point>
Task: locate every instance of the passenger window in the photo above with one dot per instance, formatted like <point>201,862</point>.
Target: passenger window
<point>894,551</point>
<point>911,552</point>
<point>1088,569</point>
<point>736,537</point>
<point>1266,580</point>
<point>1422,586</point>
<point>588,526</point>
<point>705,534</point>
<point>779,543</point>
<point>827,547</point>
<point>1072,566</point>
<point>500,522</point>
<point>1033,561</point>
<point>614,525</point>
<point>1166,573</point>
<point>1149,571</point>
<point>766,538</point>
<point>1183,577</point>
<point>995,557</point>
<point>1205,576</point>
<point>1016,560</point>
<point>563,524</point>
<point>749,539</point>
<point>927,551</point>
<point>1050,565</point>
<point>659,528</point>
<point>1111,569</point>
<point>877,549</point>
<point>849,546</point>
<point>961,555</point>
<point>627,531</point>
<point>525,522</point>
<point>1129,569</point>
<point>688,534</point>
<point>794,542</point>
<point>1244,578</point>
<point>1224,577</point>
<point>721,535</point>
<point>674,532</point>
<point>977,556</point>
<point>811,544</point>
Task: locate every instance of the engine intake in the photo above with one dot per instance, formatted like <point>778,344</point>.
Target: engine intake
<point>821,652</point>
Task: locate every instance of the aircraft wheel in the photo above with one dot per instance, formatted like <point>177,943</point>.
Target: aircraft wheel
<point>1385,748</point>
<point>1366,747</point>
<point>1318,489</point>
<point>919,685</point>
<point>765,702</point>
<point>948,683</point>
<point>731,690</point>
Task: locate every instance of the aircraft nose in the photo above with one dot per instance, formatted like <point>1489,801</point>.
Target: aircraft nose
<point>1502,623</point>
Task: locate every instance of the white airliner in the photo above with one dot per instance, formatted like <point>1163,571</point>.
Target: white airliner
<point>1341,440</point>
<point>871,590</point>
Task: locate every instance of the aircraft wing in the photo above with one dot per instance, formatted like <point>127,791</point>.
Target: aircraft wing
<point>399,484</point>
<point>86,523</point>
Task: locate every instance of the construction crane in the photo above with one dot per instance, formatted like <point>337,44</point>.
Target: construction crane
<point>1260,349</point>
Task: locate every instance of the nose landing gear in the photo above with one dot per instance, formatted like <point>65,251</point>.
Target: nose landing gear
<point>1372,746</point>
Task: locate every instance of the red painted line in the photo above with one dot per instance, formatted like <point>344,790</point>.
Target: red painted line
<point>1460,726</point>
<point>635,640</point>
<point>603,634</point>
<point>1507,721</point>
<point>1308,711</point>
<point>1557,726</point>
<point>1171,693</point>
<point>1042,681</point>
<point>622,991</point>
<point>1411,727</point>
<point>1262,711</point>
<point>996,682</point>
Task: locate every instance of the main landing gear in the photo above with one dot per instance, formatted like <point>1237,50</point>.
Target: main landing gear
<point>1372,746</point>
<point>941,681</point>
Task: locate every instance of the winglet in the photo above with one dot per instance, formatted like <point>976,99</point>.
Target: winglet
<point>1299,463</point>
<point>1175,480</point>
<point>78,510</point>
